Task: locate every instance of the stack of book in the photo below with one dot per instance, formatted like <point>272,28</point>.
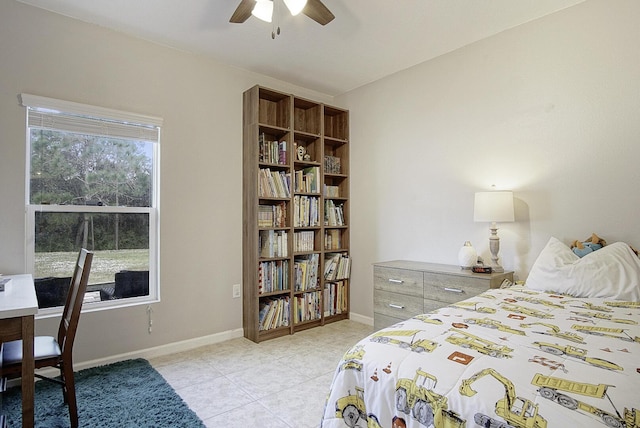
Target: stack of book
<point>306,212</point>
<point>306,307</point>
<point>333,214</point>
<point>272,215</point>
<point>303,241</point>
<point>274,313</point>
<point>335,298</point>
<point>331,191</point>
<point>337,266</point>
<point>272,151</point>
<point>307,180</point>
<point>273,243</point>
<point>332,239</point>
<point>305,270</point>
<point>273,276</point>
<point>273,184</point>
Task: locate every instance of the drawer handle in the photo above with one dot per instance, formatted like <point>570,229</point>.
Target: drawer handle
<point>396,306</point>
<point>453,290</point>
<point>396,281</point>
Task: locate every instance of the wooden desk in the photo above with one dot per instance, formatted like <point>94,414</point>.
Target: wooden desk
<point>18,306</point>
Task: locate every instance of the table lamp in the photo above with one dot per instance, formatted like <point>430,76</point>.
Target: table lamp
<point>493,207</point>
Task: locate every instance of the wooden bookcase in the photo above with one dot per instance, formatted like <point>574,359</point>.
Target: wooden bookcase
<point>295,214</point>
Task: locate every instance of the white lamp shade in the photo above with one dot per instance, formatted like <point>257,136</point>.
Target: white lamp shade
<point>295,6</point>
<point>263,10</point>
<point>493,207</point>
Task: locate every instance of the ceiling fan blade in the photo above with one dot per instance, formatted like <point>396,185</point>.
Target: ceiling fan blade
<point>243,11</point>
<point>317,11</point>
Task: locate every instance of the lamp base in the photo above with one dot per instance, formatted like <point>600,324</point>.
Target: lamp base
<point>494,247</point>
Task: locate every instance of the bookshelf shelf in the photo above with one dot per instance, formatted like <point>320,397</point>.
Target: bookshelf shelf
<point>273,129</point>
<point>295,214</point>
<point>275,293</point>
<point>273,165</point>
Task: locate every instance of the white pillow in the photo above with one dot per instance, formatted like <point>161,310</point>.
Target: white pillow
<point>613,272</point>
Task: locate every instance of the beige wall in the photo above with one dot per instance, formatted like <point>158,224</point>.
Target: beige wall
<point>550,109</point>
<point>201,103</point>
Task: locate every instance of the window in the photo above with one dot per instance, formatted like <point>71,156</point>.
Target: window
<point>92,182</point>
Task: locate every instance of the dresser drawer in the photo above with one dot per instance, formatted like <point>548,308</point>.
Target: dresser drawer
<point>451,288</point>
<point>400,281</point>
<point>432,305</point>
<point>396,305</point>
<point>382,321</point>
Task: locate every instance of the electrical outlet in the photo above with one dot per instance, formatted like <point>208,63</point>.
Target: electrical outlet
<point>236,291</point>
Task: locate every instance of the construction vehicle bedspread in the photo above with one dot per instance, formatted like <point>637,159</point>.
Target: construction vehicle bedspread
<point>505,358</point>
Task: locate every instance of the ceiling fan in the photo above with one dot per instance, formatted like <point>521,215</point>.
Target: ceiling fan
<point>263,9</point>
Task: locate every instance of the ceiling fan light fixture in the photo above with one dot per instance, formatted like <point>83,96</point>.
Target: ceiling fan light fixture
<point>295,6</point>
<point>263,10</point>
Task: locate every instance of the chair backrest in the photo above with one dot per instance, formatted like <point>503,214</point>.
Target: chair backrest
<point>75,297</point>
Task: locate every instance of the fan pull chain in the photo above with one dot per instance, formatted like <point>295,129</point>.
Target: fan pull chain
<point>275,28</point>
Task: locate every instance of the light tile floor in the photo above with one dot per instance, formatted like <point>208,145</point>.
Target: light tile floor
<point>278,383</point>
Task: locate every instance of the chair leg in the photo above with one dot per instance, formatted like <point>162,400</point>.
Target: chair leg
<point>64,385</point>
<point>69,392</point>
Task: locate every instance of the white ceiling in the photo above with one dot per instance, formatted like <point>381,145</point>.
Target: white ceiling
<point>368,40</point>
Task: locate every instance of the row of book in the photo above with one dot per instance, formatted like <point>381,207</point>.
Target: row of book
<point>306,212</point>
<point>273,184</point>
<point>307,180</point>
<point>274,313</point>
<point>272,151</point>
<point>305,270</point>
<point>332,165</point>
<point>333,239</point>
<point>337,266</point>
<point>331,191</point>
<point>272,215</point>
<point>273,243</point>
<point>333,213</point>
<point>335,298</point>
<point>273,276</point>
<point>306,307</point>
<point>303,241</point>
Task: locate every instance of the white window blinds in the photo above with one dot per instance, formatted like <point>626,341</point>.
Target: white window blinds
<point>49,113</point>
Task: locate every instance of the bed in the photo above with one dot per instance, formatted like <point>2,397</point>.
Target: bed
<point>561,349</point>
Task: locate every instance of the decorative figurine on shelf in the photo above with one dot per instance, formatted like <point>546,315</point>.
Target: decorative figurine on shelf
<point>307,157</point>
<point>467,256</point>
<point>301,152</point>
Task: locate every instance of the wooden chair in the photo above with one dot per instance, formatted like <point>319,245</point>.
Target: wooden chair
<point>49,352</point>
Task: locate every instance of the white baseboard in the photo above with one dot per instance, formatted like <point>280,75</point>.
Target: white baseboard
<point>158,351</point>
<point>361,318</point>
<point>172,348</point>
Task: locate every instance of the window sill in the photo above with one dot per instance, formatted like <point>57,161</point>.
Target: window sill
<point>96,306</point>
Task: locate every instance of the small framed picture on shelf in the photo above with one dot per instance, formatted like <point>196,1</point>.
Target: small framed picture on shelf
<point>332,164</point>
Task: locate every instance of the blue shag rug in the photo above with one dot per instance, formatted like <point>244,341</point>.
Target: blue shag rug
<point>126,394</point>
